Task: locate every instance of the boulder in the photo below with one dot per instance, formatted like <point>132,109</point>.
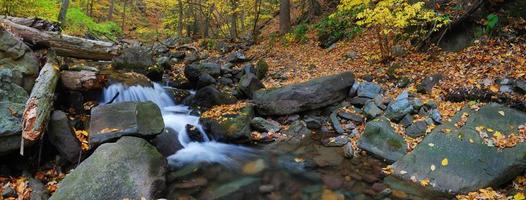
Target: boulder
<point>266,125</point>
<point>304,96</point>
<point>193,71</point>
<point>18,64</point>
<point>131,168</point>
<point>167,143</point>
<point>230,126</point>
<point>82,80</point>
<point>371,110</point>
<point>135,58</point>
<point>335,121</point>
<point>112,121</point>
<point>61,135</point>
<point>236,57</point>
<point>417,129</point>
<point>428,83</point>
<point>248,84</point>
<point>209,96</point>
<point>401,106</point>
<point>261,69</point>
<point>337,141</point>
<point>12,102</point>
<point>296,132</point>
<point>380,139</point>
<point>205,80</point>
<point>369,90</point>
<point>463,160</point>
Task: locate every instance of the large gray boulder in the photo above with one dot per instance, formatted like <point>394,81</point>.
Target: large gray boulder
<point>18,64</point>
<point>463,161</point>
<point>304,96</point>
<point>12,103</point>
<point>61,135</point>
<point>130,168</point>
<point>135,57</point>
<point>380,139</point>
<point>112,121</point>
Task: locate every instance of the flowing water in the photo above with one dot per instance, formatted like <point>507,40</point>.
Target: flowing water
<point>177,117</point>
<point>274,171</point>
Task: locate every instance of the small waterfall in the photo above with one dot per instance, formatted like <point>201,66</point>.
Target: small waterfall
<point>177,117</point>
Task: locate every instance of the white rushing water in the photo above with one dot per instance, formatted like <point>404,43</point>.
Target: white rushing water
<point>177,117</point>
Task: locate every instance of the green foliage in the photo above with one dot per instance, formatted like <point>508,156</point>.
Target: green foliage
<point>78,23</point>
<point>492,22</point>
<point>339,25</point>
<point>297,35</point>
<point>45,9</point>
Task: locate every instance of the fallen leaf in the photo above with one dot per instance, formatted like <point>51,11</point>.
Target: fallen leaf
<point>445,162</point>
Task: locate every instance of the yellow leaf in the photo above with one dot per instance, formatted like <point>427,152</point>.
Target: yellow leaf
<point>494,88</point>
<point>445,162</point>
<point>519,196</point>
<point>497,134</point>
<point>424,182</point>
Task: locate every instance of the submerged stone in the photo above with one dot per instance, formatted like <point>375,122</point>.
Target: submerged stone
<point>380,139</point>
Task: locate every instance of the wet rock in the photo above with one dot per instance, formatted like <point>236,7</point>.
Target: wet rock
<point>192,183</point>
<point>209,96</point>
<point>241,188</point>
<point>164,62</point>
<point>337,141</point>
<point>18,64</point>
<point>248,84</point>
<point>266,188</point>
<point>226,81</point>
<point>237,57</point>
<point>205,80</point>
<point>194,133</point>
<point>313,123</point>
<point>335,121</point>
<point>61,135</point>
<point>371,110</point>
<point>354,89</point>
<point>304,96</point>
<point>297,131</point>
<point>167,142</point>
<point>359,101</point>
<point>416,129</point>
<point>397,109</point>
<point>135,57</point>
<point>261,69</point>
<point>468,156</point>
<point>266,125</point>
<point>38,190</point>
<point>112,121</point>
<point>193,71</point>
<point>326,157</point>
<point>426,86</point>
<point>136,170</point>
<point>7,191</point>
<point>332,182</point>
<point>407,120</point>
<point>178,95</point>
<point>231,126</point>
<point>435,116</point>
<point>520,86</point>
<point>12,102</point>
<point>369,90</point>
<point>351,116</point>
<point>254,167</point>
<point>348,150</point>
<point>380,139</point>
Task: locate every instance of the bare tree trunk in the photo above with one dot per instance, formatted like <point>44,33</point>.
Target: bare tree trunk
<point>63,12</point>
<point>40,103</point>
<point>110,11</point>
<point>257,9</point>
<point>233,20</point>
<point>124,14</point>
<point>284,16</point>
<point>180,20</point>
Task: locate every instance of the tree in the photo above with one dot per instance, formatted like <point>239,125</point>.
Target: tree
<point>284,16</point>
<point>63,11</point>
<point>110,11</point>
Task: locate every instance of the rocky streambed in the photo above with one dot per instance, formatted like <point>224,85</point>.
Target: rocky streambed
<point>211,130</point>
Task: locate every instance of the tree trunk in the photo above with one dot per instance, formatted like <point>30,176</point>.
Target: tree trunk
<point>257,9</point>
<point>180,20</point>
<point>63,12</point>
<point>233,20</point>
<point>40,103</point>
<point>284,16</point>
<point>83,80</point>
<point>110,11</point>
<point>124,14</point>
<point>64,45</point>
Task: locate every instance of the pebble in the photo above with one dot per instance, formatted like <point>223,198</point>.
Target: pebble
<point>399,195</point>
<point>369,178</point>
<point>266,188</point>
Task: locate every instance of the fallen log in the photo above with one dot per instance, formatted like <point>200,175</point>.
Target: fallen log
<point>83,80</point>
<point>40,103</point>
<point>40,24</point>
<point>63,45</point>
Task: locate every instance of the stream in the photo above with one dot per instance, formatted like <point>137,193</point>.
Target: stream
<point>215,170</point>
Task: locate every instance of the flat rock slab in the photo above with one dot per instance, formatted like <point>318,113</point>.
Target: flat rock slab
<point>458,160</point>
<point>380,139</point>
<point>131,168</point>
<point>313,94</point>
<point>112,121</point>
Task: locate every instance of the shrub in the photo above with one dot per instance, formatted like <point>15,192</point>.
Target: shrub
<point>78,23</point>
